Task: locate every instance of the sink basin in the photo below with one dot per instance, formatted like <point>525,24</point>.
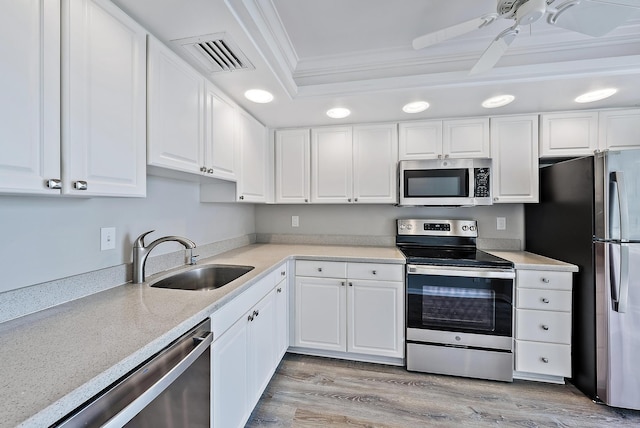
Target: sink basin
<point>207,277</point>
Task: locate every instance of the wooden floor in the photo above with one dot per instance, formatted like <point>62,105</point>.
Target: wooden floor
<point>321,392</point>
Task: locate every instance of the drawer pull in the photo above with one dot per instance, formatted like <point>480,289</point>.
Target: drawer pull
<point>544,360</point>
<point>545,327</point>
<point>319,269</point>
<point>374,272</point>
<point>545,280</point>
<point>545,300</point>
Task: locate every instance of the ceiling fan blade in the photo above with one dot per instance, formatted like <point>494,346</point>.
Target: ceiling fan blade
<point>453,31</point>
<point>594,17</point>
<point>496,49</point>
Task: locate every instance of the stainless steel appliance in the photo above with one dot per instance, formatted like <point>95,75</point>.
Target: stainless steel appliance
<point>589,215</point>
<point>445,182</point>
<point>459,301</point>
<point>172,389</point>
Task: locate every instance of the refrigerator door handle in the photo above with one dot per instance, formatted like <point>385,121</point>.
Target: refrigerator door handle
<point>619,281</point>
<point>617,179</point>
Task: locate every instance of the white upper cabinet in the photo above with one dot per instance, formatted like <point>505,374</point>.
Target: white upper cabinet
<point>30,102</point>
<point>292,166</point>
<point>438,139</point>
<point>375,159</point>
<point>514,150</point>
<point>331,165</point>
<point>568,134</point>
<point>420,140</point>
<point>221,130</point>
<point>176,111</point>
<point>619,129</point>
<point>466,138</point>
<point>103,100</point>
<point>254,155</point>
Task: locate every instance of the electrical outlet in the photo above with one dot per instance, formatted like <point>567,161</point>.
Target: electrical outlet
<point>295,221</point>
<point>107,238</point>
<point>501,223</point>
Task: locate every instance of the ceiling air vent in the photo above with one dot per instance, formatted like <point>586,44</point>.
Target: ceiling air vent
<point>215,53</point>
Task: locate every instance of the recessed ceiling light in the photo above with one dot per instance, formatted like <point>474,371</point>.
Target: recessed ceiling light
<point>338,112</point>
<point>415,107</point>
<point>498,101</point>
<point>259,96</point>
<point>598,95</point>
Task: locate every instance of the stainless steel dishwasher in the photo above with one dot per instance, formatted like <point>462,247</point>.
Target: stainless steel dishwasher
<point>171,389</point>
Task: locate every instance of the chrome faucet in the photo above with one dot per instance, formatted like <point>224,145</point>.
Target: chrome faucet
<point>140,253</point>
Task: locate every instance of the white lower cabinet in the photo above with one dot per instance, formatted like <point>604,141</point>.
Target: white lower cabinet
<point>543,325</point>
<point>247,350</point>
<point>355,308</point>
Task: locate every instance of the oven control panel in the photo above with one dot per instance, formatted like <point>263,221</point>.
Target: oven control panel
<point>428,227</point>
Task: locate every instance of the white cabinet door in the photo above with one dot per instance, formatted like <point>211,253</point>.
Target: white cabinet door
<point>262,346</point>
<point>253,142</point>
<point>282,318</point>
<point>568,134</point>
<point>331,165</point>
<point>420,140</point>
<point>221,127</point>
<point>292,166</point>
<point>466,138</point>
<point>375,159</point>
<point>104,100</point>
<point>375,318</point>
<point>514,150</point>
<point>619,129</point>
<point>30,101</point>
<point>230,378</point>
<point>176,111</point>
<point>320,313</point>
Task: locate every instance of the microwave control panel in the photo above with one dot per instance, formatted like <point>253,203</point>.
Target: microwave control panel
<point>481,178</point>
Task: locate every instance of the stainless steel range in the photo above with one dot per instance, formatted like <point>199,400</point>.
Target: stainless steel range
<point>459,301</point>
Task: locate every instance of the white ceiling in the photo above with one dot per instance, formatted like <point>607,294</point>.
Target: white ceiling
<point>314,55</point>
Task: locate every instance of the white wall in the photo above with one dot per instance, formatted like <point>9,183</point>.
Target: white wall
<point>379,220</point>
<point>47,238</point>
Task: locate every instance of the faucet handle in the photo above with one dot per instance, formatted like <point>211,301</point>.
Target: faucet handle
<point>193,259</point>
<point>139,242</point>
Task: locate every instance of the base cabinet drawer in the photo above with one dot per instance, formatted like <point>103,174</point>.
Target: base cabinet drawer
<point>543,326</point>
<point>373,271</point>
<point>551,280</point>
<point>544,300</point>
<point>321,269</point>
<point>543,358</point>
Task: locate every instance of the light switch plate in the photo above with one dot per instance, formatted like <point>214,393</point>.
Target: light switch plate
<point>501,223</point>
<point>295,221</point>
<point>107,238</point>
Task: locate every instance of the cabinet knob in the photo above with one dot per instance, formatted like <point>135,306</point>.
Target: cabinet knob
<point>446,156</point>
<point>203,169</point>
<point>80,185</point>
<point>495,199</point>
<point>241,197</point>
<point>350,284</point>
<point>544,360</point>
<point>342,283</point>
<point>545,300</point>
<point>374,272</point>
<point>306,200</point>
<point>545,280</point>
<point>210,171</point>
<point>54,183</point>
<point>439,156</point>
<point>256,313</point>
<point>279,290</point>
<point>545,327</point>
<point>348,199</point>
<point>355,200</point>
<point>319,269</point>
<point>250,318</point>
<point>283,273</point>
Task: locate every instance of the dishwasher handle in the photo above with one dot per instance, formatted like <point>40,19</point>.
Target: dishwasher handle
<point>133,408</point>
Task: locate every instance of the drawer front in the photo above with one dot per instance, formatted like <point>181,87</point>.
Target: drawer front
<point>321,269</point>
<point>543,326</point>
<point>550,280</point>
<point>543,358</point>
<point>546,300</point>
<point>375,271</point>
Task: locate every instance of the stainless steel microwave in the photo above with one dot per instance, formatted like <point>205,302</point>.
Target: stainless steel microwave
<point>445,182</point>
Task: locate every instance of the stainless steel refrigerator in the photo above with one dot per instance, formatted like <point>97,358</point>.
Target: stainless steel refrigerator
<point>589,215</point>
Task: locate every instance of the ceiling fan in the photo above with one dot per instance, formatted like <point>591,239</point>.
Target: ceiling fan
<point>591,17</point>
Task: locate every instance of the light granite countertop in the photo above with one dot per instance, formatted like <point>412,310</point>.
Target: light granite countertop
<point>531,261</point>
<point>54,360</point>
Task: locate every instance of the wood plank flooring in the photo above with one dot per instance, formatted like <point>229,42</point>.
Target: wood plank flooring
<point>320,392</point>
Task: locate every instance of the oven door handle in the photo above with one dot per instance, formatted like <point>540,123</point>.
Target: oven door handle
<point>461,271</point>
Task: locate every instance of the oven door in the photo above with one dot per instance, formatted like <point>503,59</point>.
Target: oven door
<point>457,299</point>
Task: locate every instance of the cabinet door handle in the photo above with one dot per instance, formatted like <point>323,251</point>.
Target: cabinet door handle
<point>54,183</point>
<point>544,360</point>
<point>545,327</point>
<point>80,185</point>
<point>545,280</point>
<point>350,284</point>
<point>241,197</point>
<point>342,283</point>
<point>210,171</point>
<point>279,290</point>
<point>250,318</point>
<point>256,313</point>
<point>348,199</point>
<point>203,169</point>
<point>545,300</point>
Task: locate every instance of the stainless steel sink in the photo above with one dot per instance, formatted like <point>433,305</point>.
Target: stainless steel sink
<point>208,277</point>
